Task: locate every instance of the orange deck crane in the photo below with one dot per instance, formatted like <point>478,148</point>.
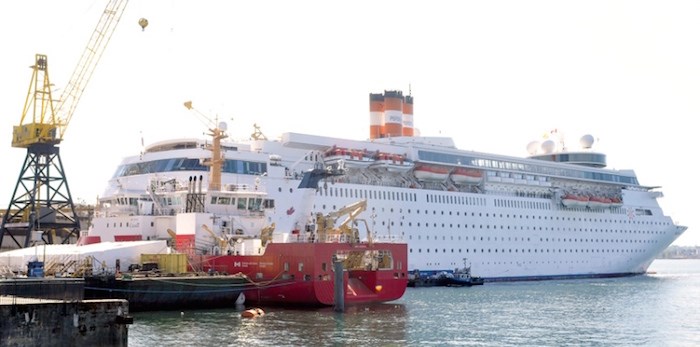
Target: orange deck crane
<point>41,200</point>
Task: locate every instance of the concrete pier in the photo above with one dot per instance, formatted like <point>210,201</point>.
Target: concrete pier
<point>48,322</point>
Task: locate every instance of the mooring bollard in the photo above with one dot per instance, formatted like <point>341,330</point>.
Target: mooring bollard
<point>338,286</point>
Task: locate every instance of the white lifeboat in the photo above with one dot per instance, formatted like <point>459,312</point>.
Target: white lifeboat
<point>599,202</point>
<point>392,162</point>
<point>425,172</point>
<point>466,176</point>
<point>615,202</point>
<point>351,157</point>
<point>573,200</point>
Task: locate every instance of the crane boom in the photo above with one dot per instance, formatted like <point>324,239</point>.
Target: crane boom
<point>326,223</point>
<point>88,61</point>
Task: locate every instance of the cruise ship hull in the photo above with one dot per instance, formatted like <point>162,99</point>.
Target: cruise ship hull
<point>510,224</point>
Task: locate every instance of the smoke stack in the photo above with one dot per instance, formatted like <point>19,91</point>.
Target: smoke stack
<point>407,129</point>
<point>393,113</point>
<point>376,115</point>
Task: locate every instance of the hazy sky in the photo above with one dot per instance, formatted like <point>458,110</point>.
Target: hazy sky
<point>494,75</point>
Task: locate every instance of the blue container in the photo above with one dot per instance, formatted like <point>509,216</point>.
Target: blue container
<point>35,269</point>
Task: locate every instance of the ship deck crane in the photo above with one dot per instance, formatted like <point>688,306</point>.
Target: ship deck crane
<point>41,200</point>
<point>326,223</point>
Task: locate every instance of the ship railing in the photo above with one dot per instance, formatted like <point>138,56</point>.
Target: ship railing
<point>388,238</point>
<point>7,272</point>
<point>115,211</point>
<point>301,238</point>
<point>340,238</point>
<point>315,238</point>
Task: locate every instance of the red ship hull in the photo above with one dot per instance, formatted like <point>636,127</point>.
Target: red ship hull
<point>302,273</point>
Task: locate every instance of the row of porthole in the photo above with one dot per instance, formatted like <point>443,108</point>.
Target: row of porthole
<point>500,216</point>
<point>538,262</point>
<point>365,194</point>
<point>480,214</point>
<point>495,238</point>
<point>527,228</point>
<point>525,262</point>
<point>522,239</point>
<point>541,251</point>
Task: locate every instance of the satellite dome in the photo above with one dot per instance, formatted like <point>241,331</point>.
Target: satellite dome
<point>549,146</point>
<point>222,126</point>
<point>533,147</point>
<point>586,141</point>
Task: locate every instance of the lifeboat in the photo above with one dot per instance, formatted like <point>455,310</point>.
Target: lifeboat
<point>615,202</point>
<point>466,176</point>
<point>431,172</point>
<point>351,157</point>
<point>392,162</point>
<point>599,202</point>
<point>573,200</point>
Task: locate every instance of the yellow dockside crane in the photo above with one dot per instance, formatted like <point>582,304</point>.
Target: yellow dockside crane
<point>41,200</point>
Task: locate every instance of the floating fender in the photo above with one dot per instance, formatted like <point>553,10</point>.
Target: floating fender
<point>253,313</point>
<point>241,299</point>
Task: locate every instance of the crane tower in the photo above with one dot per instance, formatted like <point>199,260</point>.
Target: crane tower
<point>41,201</point>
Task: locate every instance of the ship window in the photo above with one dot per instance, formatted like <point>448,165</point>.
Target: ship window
<point>242,203</point>
<point>301,267</point>
<point>255,204</point>
<point>286,266</point>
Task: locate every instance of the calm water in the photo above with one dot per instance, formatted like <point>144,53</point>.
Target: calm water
<point>661,309</point>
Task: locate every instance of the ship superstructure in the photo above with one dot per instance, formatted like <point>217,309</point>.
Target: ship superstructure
<point>558,213</point>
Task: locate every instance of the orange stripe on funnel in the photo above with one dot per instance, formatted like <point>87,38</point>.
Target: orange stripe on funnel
<point>393,113</point>
<point>407,129</point>
<point>376,115</point>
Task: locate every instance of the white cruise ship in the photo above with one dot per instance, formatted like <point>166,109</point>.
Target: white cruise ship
<point>556,214</point>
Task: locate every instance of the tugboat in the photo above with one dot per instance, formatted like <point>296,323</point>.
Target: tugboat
<point>462,278</point>
<point>458,278</point>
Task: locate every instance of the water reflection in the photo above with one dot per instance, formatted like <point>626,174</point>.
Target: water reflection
<point>653,310</point>
<point>383,324</point>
